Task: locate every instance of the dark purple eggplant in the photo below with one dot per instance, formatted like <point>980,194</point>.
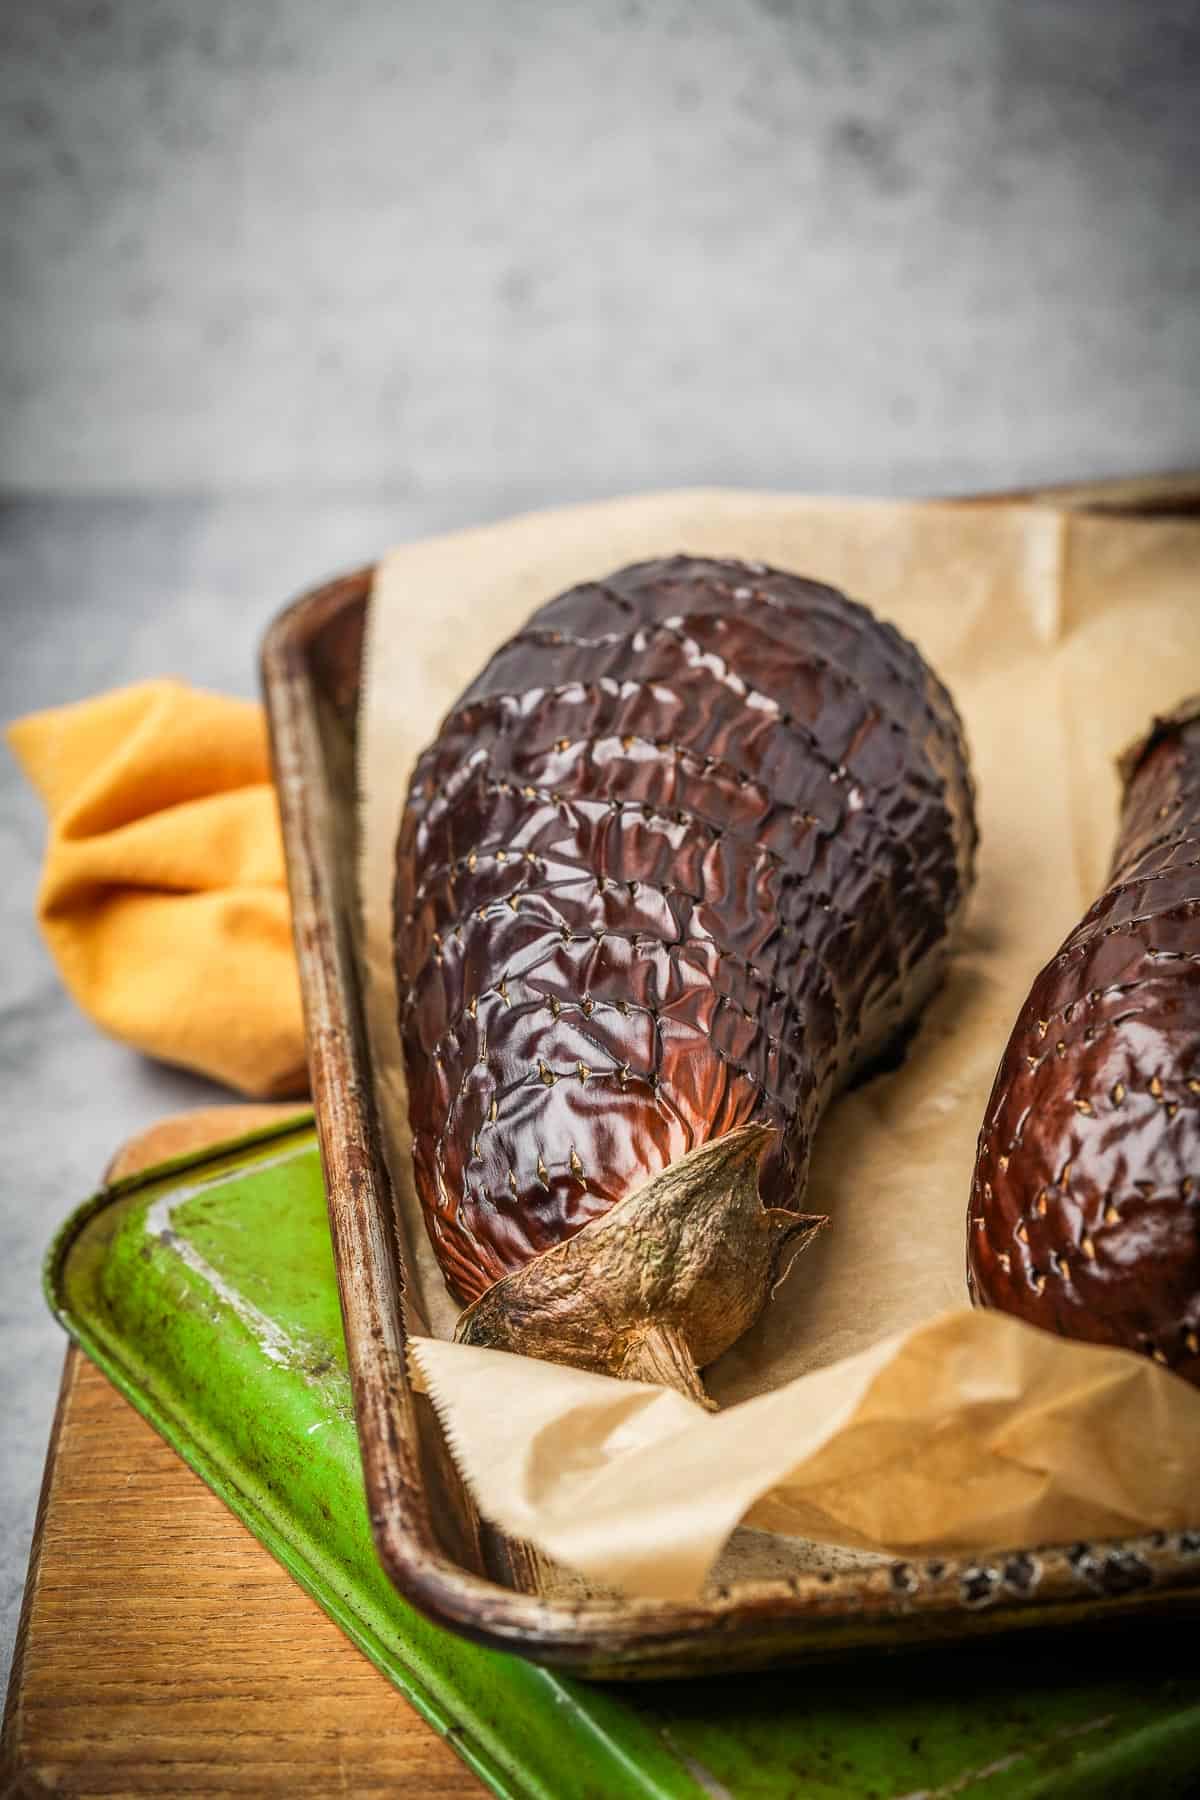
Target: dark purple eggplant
<point>687,855</point>
<point>1085,1208</point>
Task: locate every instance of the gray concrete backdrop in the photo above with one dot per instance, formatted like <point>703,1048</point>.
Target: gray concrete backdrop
<point>282,283</point>
<point>880,244</point>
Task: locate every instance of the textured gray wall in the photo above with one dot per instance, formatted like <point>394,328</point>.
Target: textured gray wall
<point>577,248</point>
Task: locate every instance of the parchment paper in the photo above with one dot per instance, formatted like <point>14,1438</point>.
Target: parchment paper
<point>879,1410</point>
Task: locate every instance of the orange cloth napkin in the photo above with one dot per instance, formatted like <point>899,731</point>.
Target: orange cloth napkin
<point>163,898</point>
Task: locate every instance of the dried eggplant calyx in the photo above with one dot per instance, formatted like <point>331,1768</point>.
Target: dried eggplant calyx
<point>688,854</point>
<point>663,1282</point>
<point>1084,1215</point>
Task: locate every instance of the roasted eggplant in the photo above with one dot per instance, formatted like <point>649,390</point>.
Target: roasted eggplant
<point>1084,1215</point>
<point>687,855</point>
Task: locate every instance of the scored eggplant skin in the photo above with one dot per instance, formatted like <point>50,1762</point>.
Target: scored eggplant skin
<point>688,852</point>
<point>1085,1207</point>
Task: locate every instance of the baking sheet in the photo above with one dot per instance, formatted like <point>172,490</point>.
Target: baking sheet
<point>1059,635</point>
<point>225,1333</point>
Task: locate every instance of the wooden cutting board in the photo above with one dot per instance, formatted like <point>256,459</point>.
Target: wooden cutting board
<point>161,1649</point>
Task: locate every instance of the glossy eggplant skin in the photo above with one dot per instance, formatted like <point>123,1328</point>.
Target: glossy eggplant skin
<point>1085,1208</point>
<point>688,851</point>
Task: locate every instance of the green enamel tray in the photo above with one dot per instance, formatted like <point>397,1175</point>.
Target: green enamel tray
<point>205,1290</point>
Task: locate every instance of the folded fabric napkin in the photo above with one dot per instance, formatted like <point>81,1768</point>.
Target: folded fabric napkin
<point>163,898</point>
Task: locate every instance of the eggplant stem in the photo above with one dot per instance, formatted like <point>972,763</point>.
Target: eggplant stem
<point>660,1354</point>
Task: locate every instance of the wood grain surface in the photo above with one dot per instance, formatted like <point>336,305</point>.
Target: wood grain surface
<point>161,1649</point>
